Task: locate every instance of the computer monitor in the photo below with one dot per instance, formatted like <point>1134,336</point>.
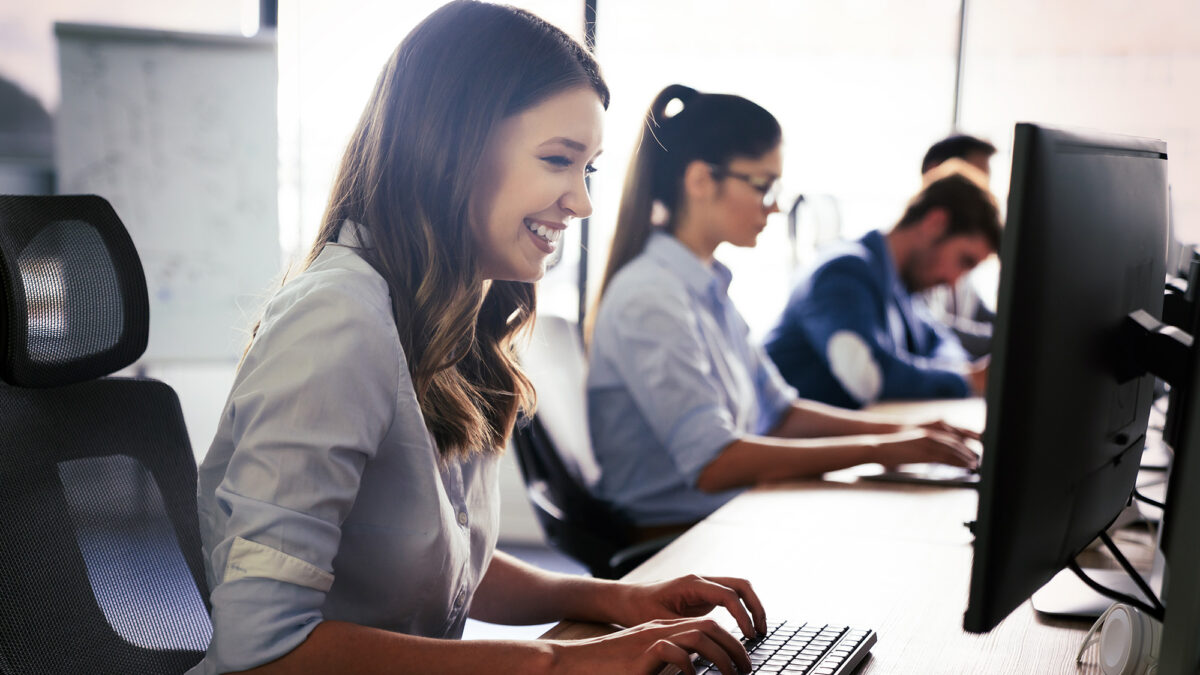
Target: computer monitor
<point>1180,541</point>
<point>1084,246</point>
<point>1180,649</point>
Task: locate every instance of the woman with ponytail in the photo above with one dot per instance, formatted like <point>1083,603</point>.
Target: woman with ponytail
<point>684,411</point>
<point>349,502</point>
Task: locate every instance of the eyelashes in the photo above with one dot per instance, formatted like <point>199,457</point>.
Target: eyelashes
<point>563,162</point>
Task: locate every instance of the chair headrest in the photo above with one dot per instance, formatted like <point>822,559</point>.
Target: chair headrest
<point>75,302</point>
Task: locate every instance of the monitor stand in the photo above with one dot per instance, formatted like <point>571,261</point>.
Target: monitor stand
<point>1066,596</point>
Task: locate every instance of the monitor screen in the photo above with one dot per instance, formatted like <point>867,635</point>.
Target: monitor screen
<point>1084,245</point>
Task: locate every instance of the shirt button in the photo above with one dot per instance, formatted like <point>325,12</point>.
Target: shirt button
<point>462,518</point>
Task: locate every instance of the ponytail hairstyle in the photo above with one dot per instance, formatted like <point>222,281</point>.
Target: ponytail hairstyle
<point>712,128</point>
<point>407,177</point>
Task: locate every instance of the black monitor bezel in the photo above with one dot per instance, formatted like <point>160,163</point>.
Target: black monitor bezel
<point>997,586</point>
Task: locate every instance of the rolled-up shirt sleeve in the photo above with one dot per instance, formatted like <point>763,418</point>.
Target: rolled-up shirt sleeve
<point>775,395</point>
<point>843,310</point>
<point>311,405</point>
<point>660,357</point>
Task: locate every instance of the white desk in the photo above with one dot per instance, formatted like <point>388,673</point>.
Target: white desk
<point>895,558</point>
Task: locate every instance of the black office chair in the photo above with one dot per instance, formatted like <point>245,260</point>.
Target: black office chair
<point>554,452</point>
<point>100,562</point>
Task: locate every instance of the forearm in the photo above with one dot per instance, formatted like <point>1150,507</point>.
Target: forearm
<point>513,592</point>
<point>351,649</point>
<point>810,419</point>
<point>760,459</point>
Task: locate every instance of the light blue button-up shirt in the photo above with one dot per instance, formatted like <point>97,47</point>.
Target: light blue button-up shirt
<point>323,495</point>
<point>673,380</point>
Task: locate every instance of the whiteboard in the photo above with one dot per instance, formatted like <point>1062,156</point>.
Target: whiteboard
<point>178,131</point>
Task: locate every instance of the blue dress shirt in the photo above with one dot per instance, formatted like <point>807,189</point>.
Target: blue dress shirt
<point>323,495</point>
<point>673,380</point>
<point>852,334</point>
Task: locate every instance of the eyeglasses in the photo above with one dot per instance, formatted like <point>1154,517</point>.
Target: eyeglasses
<point>768,187</point>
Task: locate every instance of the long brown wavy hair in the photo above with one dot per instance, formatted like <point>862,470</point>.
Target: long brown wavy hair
<point>407,177</point>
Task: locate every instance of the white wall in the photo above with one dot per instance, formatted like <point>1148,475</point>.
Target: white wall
<point>1123,67</point>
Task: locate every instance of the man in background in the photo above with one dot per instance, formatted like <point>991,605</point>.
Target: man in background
<point>959,305</point>
<point>853,333</point>
<point>974,151</point>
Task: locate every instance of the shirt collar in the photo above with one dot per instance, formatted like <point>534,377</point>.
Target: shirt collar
<point>353,235</point>
<point>876,242</point>
<point>677,258</point>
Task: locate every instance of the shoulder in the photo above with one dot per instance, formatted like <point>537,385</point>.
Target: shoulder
<point>850,257</point>
<point>338,283</point>
<point>847,270</point>
<point>645,307</point>
<point>337,309</point>
<point>845,264</point>
<point>340,272</point>
<point>643,286</point>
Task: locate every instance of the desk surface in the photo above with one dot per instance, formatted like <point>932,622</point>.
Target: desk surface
<point>895,558</point>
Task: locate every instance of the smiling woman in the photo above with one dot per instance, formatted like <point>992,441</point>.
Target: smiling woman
<point>532,183</point>
<point>380,387</point>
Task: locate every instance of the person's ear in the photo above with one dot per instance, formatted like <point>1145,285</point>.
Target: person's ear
<point>698,181</point>
<point>933,225</point>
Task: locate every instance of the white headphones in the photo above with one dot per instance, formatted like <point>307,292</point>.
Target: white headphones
<point>1129,641</point>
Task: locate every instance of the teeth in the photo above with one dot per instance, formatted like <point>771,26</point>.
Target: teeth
<point>550,234</point>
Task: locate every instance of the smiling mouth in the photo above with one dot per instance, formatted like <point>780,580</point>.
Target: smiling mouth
<point>548,234</point>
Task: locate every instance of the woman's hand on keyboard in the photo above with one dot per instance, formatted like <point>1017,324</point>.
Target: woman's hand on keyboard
<point>688,597</point>
<point>947,428</point>
<point>921,445</point>
<point>647,647</point>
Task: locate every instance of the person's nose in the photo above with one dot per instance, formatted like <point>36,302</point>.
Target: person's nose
<point>576,200</point>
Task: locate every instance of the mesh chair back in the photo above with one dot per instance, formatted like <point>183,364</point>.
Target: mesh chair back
<point>100,562</point>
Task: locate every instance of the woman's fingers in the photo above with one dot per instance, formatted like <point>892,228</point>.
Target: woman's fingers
<point>665,651</point>
<point>952,450</point>
<point>969,433</point>
<point>946,427</point>
<point>728,643</point>
<point>703,644</point>
<point>707,638</point>
<point>749,599</point>
<point>714,593</point>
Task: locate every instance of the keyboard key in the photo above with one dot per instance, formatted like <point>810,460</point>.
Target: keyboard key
<point>800,649</point>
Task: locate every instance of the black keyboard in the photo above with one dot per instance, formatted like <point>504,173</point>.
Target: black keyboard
<point>803,648</point>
